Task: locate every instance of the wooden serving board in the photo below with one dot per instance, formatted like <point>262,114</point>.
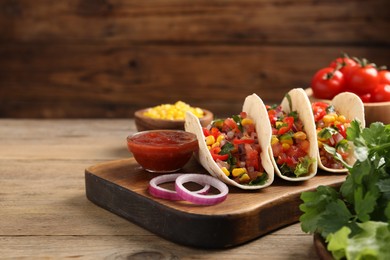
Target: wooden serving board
<point>121,187</point>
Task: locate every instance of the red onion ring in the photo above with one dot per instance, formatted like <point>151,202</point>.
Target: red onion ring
<point>197,198</point>
<point>163,193</point>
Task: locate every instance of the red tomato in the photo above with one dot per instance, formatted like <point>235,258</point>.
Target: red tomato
<point>216,156</point>
<point>284,129</point>
<point>327,83</point>
<point>384,77</point>
<point>319,110</point>
<point>272,116</point>
<point>363,79</point>
<point>366,98</point>
<point>342,130</point>
<point>229,124</point>
<point>344,64</point>
<point>244,141</point>
<point>304,145</point>
<point>252,157</point>
<point>381,93</point>
<point>276,149</point>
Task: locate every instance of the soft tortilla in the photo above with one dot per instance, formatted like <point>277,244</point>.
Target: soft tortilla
<point>351,106</point>
<point>300,103</point>
<point>255,109</point>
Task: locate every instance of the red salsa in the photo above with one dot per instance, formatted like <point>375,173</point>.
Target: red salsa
<point>234,146</point>
<point>331,131</point>
<point>162,150</point>
<point>289,143</point>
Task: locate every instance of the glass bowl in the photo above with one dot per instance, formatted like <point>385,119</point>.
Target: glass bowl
<point>162,151</point>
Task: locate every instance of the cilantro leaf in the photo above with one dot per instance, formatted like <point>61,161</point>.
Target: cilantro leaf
<point>314,206</point>
<point>303,166</point>
<point>356,219</point>
<point>327,132</point>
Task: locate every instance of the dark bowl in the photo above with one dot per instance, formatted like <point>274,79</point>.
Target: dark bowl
<point>144,123</point>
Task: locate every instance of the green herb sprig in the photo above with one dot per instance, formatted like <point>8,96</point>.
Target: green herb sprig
<point>355,220</point>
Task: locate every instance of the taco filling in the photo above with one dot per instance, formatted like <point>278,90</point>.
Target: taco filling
<point>289,143</point>
<point>332,131</point>
<point>233,144</point>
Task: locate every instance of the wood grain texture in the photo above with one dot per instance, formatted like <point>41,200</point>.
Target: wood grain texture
<point>120,186</point>
<point>108,58</point>
<point>46,215</point>
<point>249,21</point>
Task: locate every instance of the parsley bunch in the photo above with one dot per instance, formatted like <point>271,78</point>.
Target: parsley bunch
<point>355,220</point>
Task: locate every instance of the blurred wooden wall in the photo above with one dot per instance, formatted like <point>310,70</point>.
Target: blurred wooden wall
<point>107,58</point>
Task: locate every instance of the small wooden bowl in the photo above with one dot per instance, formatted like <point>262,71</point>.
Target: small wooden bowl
<point>373,112</point>
<point>144,123</point>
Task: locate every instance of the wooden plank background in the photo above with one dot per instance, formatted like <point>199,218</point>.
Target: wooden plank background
<point>108,58</point>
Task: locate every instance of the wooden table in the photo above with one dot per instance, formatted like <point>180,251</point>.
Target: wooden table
<point>44,212</point>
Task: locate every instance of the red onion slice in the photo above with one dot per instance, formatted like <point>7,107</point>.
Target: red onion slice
<point>163,193</point>
<point>197,198</point>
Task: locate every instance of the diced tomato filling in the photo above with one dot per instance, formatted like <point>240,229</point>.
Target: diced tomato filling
<point>331,131</point>
<point>235,148</point>
<point>289,142</point>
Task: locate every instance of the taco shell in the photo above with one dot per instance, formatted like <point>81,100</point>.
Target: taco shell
<point>351,106</point>
<point>256,110</point>
<point>300,103</point>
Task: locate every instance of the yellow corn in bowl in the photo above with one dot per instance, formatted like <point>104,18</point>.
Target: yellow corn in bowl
<point>169,116</point>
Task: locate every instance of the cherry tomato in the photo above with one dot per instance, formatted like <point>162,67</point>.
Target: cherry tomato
<point>327,83</point>
<point>384,77</point>
<point>366,98</point>
<point>344,64</point>
<point>362,79</point>
<point>381,93</point>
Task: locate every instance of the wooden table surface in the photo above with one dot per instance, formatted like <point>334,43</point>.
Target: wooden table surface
<point>44,212</point>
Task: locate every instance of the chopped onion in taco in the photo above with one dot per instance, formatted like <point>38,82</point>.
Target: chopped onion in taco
<point>293,143</point>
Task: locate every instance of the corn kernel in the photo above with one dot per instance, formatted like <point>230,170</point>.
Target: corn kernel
<point>210,140</point>
<point>288,141</point>
<point>247,121</point>
<point>328,118</point>
<point>278,124</point>
<point>244,178</point>
<point>320,144</point>
<point>173,111</point>
<point>300,135</point>
<point>215,144</point>
<point>220,138</point>
<point>209,147</point>
<point>225,171</point>
<point>238,171</point>
<point>342,119</point>
<point>274,140</point>
<point>336,122</point>
<point>285,146</point>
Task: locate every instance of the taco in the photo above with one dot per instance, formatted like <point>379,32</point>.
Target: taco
<point>235,150</point>
<point>332,120</point>
<point>293,147</point>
